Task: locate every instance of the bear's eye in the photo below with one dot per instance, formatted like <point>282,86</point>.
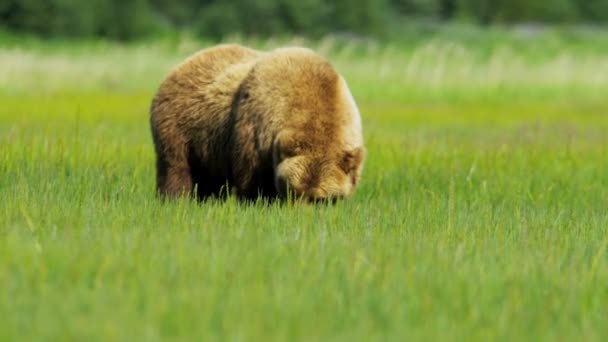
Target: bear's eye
<point>290,150</point>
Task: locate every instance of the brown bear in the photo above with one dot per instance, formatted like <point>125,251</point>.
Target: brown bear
<point>263,123</point>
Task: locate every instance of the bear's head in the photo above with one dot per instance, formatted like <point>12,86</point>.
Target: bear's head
<point>314,172</point>
<point>316,141</point>
<point>320,157</point>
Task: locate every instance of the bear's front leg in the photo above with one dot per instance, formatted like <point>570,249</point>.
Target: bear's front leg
<point>174,181</point>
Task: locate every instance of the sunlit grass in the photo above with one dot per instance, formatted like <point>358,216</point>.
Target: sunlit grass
<point>481,213</point>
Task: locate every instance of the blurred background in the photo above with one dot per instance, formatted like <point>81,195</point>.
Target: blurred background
<point>387,19</point>
<point>485,124</point>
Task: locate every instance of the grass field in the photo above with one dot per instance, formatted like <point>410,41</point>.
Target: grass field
<point>482,212</point>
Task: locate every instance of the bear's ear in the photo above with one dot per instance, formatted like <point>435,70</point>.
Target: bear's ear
<point>352,159</point>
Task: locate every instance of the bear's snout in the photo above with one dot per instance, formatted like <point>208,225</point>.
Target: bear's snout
<point>291,189</point>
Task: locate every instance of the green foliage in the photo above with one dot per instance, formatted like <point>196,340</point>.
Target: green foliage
<point>417,7</point>
<point>595,10</point>
<point>116,19</point>
<point>558,11</point>
<point>305,17</point>
<point>131,19</point>
<point>491,11</point>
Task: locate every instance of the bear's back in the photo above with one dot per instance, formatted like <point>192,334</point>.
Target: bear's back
<point>197,74</point>
<point>198,93</point>
<point>301,91</point>
<point>298,77</point>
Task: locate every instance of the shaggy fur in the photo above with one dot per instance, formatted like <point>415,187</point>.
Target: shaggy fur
<point>265,123</point>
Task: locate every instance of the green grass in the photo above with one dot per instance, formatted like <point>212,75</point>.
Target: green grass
<point>482,212</point>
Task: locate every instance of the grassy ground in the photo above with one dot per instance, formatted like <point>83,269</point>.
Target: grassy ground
<point>482,212</point>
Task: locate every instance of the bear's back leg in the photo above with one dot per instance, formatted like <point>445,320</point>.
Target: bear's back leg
<point>173,179</point>
<point>173,174</point>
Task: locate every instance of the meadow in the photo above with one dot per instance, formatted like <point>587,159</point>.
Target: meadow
<point>482,212</point>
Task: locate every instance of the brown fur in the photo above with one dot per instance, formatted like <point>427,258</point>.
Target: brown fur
<point>261,122</point>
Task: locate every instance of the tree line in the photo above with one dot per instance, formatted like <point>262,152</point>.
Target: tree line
<point>130,19</point>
